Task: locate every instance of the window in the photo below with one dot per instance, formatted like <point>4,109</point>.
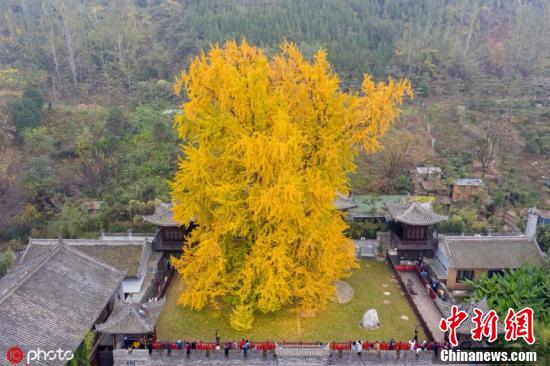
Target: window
<point>464,275</point>
<point>415,233</point>
<point>130,363</point>
<point>173,234</point>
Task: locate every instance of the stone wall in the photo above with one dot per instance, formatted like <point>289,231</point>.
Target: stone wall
<point>383,237</point>
<point>160,358</point>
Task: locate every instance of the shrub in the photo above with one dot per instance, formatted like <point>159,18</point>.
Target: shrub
<point>26,111</point>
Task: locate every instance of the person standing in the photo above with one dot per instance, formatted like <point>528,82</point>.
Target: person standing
<point>418,350</point>
<point>226,349</point>
<point>187,349</point>
<point>412,345</point>
<point>359,348</point>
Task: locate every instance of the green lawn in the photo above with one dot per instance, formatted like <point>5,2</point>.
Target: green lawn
<point>337,322</point>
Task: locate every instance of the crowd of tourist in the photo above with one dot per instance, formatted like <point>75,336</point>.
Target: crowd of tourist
<point>246,346</point>
<point>433,286</point>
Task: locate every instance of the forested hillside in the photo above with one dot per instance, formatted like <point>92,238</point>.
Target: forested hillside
<point>114,46</point>
<point>86,97</point>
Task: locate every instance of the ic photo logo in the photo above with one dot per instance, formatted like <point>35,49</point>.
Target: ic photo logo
<point>15,355</point>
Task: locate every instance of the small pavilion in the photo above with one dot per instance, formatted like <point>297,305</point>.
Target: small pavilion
<point>132,322</point>
<point>411,229</point>
<point>170,235</point>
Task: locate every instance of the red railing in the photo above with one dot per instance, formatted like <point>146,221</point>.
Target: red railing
<point>384,346</point>
<point>405,267</point>
<point>340,346</point>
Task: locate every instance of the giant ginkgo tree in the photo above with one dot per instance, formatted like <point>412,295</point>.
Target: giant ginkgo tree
<point>267,143</point>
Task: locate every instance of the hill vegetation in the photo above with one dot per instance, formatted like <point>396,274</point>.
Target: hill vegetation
<point>86,98</point>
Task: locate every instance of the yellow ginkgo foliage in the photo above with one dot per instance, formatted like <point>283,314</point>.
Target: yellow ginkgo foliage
<point>267,143</point>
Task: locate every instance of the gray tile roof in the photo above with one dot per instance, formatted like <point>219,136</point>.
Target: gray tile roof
<point>490,252</point>
<point>162,216</point>
<point>132,318</point>
<point>53,301</point>
<point>124,255</point>
<point>414,214</point>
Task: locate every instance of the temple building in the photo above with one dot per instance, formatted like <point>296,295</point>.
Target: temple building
<point>130,324</point>
<point>170,235</point>
<point>132,255</point>
<point>132,320</point>
<point>410,224</point>
<point>461,258</point>
<point>411,229</point>
<point>53,300</point>
<point>365,207</point>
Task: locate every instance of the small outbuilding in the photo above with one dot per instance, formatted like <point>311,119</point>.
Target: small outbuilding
<point>465,189</point>
<point>460,258</point>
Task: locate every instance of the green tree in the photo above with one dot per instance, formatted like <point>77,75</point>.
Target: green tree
<point>25,112</point>
<point>523,287</point>
<point>463,221</point>
<point>116,123</point>
<point>38,141</point>
<point>72,221</point>
<point>7,259</point>
<point>543,237</point>
<point>40,180</point>
<point>84,352</point>
<point>517,288</point>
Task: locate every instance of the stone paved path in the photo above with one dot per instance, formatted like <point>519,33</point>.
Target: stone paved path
<point>424,304</point>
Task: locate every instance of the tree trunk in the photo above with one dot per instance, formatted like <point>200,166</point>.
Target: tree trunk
<point>473,21</point>
<point>67,32</point>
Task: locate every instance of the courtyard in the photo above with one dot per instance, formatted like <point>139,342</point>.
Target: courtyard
<point>374,289</point>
